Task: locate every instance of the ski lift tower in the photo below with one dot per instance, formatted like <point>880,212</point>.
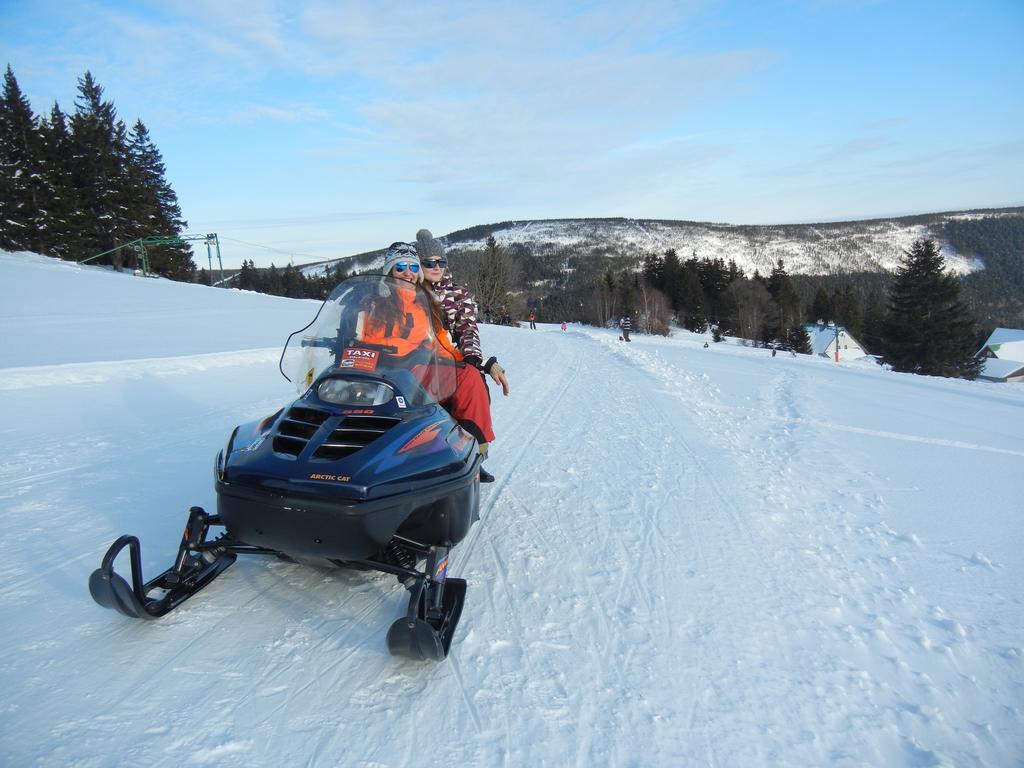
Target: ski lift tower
<point>142,256</point>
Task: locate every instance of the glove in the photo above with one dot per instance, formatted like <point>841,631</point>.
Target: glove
<point>496,372</point>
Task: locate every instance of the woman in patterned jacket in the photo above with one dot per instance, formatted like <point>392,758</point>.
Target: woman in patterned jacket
<point>459,305</point>
<point>460,309</point>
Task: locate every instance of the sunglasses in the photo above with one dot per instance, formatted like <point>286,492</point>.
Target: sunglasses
<point>411,266</point>
<point>434,263</point>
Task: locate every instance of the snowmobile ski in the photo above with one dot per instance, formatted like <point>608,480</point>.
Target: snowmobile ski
<point>435,606</point>
<point>195,566</point>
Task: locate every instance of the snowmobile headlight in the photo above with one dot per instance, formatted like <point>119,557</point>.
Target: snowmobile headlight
<point>354,392</point>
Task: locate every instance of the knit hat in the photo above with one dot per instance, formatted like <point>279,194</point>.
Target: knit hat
<point>427,247</point>
<point>402,252</point>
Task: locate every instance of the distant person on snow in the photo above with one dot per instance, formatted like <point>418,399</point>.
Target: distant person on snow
<point>563,326</point>
<point>459,314</point>
<point>625,324</point>
<point>533,319</point>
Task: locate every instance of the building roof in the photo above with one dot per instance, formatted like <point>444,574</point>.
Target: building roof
<point>823,335</point>
<point>1005,336</point>
<point>1009,350</point>
<point>994,368</point>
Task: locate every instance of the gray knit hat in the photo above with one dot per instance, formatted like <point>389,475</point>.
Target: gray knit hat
<point>427,247</point>
<point>402,252</point>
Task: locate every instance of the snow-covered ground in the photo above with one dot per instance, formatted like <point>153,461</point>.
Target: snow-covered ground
<point>691,557</point>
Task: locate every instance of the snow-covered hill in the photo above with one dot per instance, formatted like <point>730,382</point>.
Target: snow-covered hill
<point>830,248</point>
<point>691,557</point>
<point>838,247</point>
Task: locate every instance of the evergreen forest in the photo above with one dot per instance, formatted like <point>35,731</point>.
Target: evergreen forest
<point>76,185</point>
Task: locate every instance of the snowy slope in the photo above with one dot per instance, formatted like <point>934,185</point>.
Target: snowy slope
<point>814,249</point>
<point>87,314</point>
<point>691,557</point>
<point>875,245</point>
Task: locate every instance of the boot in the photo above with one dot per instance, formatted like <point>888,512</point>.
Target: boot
<point>485,476</point>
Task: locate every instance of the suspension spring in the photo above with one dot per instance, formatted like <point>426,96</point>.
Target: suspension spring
<point>400,556</point>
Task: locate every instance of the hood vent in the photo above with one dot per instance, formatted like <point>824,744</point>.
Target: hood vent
<point>353,433</point>
<point>295,430</point>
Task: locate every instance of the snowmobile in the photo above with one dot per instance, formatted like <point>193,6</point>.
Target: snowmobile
<point>364,470</point>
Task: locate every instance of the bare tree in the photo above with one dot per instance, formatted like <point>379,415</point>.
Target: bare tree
<point>492,275</point>
<point>755,310</point>
<point>654,310</point>
<point>603,304</point>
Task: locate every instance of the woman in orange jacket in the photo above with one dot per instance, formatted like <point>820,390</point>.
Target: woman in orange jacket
<point>405,327</point>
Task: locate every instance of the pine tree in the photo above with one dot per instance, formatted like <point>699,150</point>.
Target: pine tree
<point>59,237</point>
<point>821,307</point>
<point>733,272</point>
<point>272,283</point>
<point>21,178</point>
<point>715,279</point>
<point>929,330</point>
<point>787,302</point>
<point>153,206</point>
<point>847,310</point>
<point>293,283</point>
<point>627,289</point>
<point>654,270</point>
<point>874,324</point>
<point>99,168</point>
<point>672,271</point>
<point>692,306</point>
<point>248,278</point>
<point>337,274</point>
<point>798,340</point>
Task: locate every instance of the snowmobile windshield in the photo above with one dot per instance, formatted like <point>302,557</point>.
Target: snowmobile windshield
<point>371,328</point>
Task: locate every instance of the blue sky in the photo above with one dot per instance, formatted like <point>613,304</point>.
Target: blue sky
<point>310,130</point>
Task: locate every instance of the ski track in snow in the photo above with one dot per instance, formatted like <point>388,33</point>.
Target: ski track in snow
<point>690,574</point>
<point>895,639</point>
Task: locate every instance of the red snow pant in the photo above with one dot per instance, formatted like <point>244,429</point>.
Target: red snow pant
<point>470,403</point>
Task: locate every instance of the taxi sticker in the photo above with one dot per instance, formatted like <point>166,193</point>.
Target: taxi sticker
<point>359,359</point>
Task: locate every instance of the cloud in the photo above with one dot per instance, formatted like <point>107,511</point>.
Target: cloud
<point>467,102</point>
<point>292,113</point>
<point>235,27</point>
<point>497,100</point>
<point>285,222</point>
